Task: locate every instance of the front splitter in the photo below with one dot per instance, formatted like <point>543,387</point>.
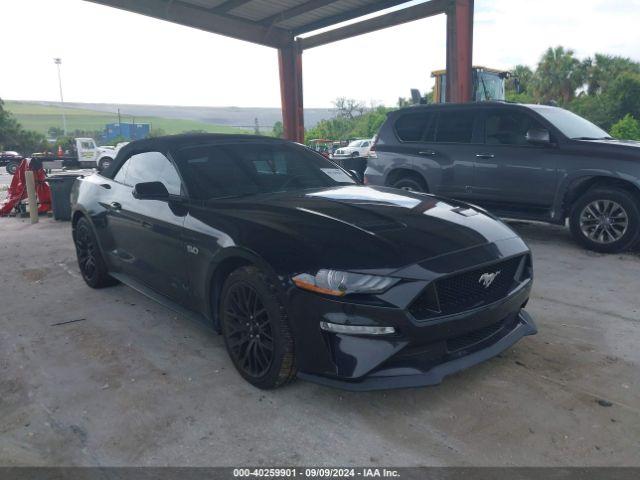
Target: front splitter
<point>525,326</point>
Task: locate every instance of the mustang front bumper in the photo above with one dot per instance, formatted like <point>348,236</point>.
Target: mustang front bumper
<point>420,353</point>
<point>416,374</point>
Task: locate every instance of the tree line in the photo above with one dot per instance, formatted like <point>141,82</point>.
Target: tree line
<point>604,89</point>
<point>14,137</point>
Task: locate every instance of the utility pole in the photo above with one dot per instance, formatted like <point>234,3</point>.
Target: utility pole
<point>58,62</point>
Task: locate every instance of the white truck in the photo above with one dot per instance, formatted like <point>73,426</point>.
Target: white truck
<point>357,148</point>
<point>84,154</point>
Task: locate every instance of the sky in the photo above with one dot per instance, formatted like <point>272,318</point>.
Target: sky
<point>112,56</point>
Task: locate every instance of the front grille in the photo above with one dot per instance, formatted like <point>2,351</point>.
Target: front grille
<point>466,291</point>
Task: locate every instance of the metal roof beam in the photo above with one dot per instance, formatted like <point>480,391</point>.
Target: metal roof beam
<point>229,5</point>
<point>296,11</point>
<point>348,15</point>
<point>409,14</point>
<point>202,18</point>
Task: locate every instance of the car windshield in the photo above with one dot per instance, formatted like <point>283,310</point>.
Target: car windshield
<point>572,125</point>
<point>357,143</point>
<point>239,169</point>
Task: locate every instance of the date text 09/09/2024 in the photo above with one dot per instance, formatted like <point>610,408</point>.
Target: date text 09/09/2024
<point>322,472</point>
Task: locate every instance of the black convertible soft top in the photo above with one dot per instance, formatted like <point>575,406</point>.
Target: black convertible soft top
<point>175,142</point>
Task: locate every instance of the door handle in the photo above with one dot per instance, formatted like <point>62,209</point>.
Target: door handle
<point>115,206</point>
<point>485,155</point>
<point>428,153</point>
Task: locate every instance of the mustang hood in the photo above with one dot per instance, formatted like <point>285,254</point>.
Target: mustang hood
<point>361,227</point>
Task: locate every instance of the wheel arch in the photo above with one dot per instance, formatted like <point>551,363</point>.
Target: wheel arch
<point>579,186</point>
<point>219,271</point>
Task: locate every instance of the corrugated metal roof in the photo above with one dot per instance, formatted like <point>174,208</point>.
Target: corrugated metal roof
<point>295,15</point>
<point>272,23</point>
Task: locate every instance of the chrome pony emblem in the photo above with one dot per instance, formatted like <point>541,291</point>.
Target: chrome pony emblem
<point>486,279</point>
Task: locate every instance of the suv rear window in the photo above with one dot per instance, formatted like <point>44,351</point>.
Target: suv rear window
<point>411,126</point>
<point>455,127</point>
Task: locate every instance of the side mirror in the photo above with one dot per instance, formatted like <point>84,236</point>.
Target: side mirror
<point>151,191</point>
<point>539,136</point>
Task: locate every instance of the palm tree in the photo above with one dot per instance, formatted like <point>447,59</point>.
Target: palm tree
<point>603,70</point>
<point>559,75</point>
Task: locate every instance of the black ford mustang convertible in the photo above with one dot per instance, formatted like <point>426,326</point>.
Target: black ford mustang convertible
<point>304,271</point>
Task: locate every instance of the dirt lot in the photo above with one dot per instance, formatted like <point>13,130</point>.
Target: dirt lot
<point>130,383</point>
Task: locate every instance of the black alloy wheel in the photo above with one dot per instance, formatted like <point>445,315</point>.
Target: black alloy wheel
<point>249,333</point>
<point>90,261</point>
<point>255,329</point>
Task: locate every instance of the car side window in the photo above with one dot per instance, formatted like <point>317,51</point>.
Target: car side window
<point>509,128</point>
<point>455,127</point>
<point>121,175</point>
<point>414,127</point>
<point>150,167</point>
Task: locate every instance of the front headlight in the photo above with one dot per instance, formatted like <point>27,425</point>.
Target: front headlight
<point>337,283</point>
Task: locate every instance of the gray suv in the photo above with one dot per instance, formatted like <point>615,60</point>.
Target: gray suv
<point>519,161</point>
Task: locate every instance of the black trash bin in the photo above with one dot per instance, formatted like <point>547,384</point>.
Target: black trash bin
<point>356,164</point>
<point>60,186</point>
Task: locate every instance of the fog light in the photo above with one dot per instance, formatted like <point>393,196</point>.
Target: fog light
<point>356,329</point>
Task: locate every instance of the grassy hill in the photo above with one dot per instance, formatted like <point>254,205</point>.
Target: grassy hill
<point>40,118</point>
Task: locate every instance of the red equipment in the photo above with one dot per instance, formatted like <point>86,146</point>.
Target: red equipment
<point>18,189</point>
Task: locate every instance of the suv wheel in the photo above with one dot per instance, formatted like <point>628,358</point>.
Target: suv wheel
<point>256,329</point>
<point>606,220</point>
<point>410,183</point>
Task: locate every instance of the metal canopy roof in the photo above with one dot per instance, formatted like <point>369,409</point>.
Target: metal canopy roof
<point>273,23</point>
<point>278,24</point>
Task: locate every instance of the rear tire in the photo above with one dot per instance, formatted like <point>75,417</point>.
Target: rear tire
<point>410,183</point>
<point>606,220</point>
<point>104,164</point>
<point>90,261</point>
<point>12,168</point>
<point>256,329</point>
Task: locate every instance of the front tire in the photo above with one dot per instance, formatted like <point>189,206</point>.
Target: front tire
<point>90,261</point>
<point>606,220</point>
<point>256,329</point>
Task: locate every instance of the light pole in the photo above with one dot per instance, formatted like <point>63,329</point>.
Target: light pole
<point>58,62</point>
